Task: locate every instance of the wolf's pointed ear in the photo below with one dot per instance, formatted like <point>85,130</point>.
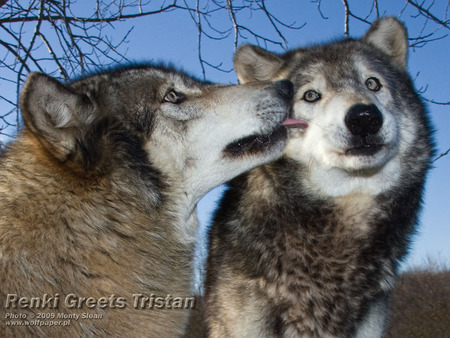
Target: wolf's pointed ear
<point>389,35</point>
<point>253,63</point>
<point>54,113</point>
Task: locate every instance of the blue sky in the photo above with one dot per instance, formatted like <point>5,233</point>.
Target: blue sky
<point>172,37</point>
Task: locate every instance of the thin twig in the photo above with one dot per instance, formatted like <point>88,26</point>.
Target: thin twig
<point>347,17</point>
<point>233,20</point>
<point>55,58</point>
<point>441,155</point>
<point>427,13</point>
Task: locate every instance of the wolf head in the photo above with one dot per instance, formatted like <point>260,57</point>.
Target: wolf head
<point>367,125</point>
<point>197,134</point>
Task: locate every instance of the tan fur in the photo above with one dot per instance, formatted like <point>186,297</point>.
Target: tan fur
<point>43,253</point>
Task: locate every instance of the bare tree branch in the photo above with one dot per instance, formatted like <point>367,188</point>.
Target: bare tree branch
<point>62,71</point>
<point>52,36</point>
<point>269,17</point>
<point>319,3</point>
<point>94,19</point>
<point>428,14</point>
<point>377,10</point>
<point>441,155</point>
<point>347,18</point>
<point>233,20</point>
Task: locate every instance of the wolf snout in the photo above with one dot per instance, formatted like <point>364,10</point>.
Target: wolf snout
<point>363,120</point>
<point>285,89</point>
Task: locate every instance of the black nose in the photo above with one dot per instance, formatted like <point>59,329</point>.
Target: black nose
<point>285,88</point>
<point>363,119</point>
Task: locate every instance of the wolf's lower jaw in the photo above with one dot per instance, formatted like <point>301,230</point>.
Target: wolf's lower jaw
<point>254,144</point>
<point>365,150</point>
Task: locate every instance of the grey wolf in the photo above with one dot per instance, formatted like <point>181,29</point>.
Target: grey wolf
<point>310,245</point>
<point>98,195</point>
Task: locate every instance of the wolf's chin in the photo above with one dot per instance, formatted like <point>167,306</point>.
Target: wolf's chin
<point>366,161</point>
<point>256,144</point>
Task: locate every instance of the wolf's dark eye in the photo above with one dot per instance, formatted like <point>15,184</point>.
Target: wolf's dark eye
<point>174,97</point>
<point>373,84</point>
<point>311,96</point>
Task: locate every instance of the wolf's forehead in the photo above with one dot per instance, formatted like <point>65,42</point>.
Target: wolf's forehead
<point>182,82</point>
<point>154,77</point>
<point>333,71</point>
<point>327,75</point>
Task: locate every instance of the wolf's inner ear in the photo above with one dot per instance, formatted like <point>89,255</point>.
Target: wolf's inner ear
<point>54,113</point>
<point>253,63</point>
<point>389,35</point>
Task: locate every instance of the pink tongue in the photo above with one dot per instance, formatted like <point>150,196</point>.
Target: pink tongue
<point>293,123</point>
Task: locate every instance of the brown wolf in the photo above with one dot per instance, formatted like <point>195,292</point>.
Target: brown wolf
<point>309,246</point>
<point>98,195</point>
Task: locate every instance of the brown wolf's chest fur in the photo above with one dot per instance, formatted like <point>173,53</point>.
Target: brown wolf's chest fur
<point>78,239</point>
